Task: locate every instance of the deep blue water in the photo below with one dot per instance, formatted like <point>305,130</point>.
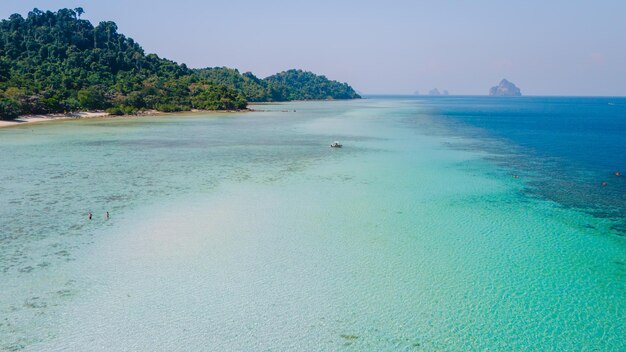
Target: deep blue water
<point>563,148</point>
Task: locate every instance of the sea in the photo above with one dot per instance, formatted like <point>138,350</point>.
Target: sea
<point>442,224</point>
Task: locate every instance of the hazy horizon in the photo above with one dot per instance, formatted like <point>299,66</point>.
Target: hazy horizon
<point>560,48</point>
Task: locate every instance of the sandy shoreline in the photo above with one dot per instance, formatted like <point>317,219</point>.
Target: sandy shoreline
<point>29,119</point>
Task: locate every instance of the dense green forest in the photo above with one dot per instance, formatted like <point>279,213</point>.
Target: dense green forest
<point>284,86</point>
<point>57,62</point>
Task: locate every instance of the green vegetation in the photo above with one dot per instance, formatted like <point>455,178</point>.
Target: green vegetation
<point>300,85</point>
<point>284,86</point>
<point>57,62</point>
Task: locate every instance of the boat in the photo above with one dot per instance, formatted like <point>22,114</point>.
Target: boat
<point>336,145</point>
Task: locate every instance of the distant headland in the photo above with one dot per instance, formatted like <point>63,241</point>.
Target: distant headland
<point>56,62</point>
<point>505,89</point>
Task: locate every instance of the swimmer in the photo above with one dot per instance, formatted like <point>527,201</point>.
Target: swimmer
<point>603,184</point>
<point>515,176</point>
<point>618,174</point>
<point>90,215</point>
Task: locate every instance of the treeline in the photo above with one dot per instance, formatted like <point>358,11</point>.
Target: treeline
<point>54,62</point>
<point>283,86</point>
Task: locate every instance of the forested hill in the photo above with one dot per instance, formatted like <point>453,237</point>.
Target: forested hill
<point>57,62</point>
<point>283,86</point>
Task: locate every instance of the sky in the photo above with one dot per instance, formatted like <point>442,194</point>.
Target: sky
<point>556,47</point>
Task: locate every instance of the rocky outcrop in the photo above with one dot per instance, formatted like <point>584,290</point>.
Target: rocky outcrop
<point>505,89</point>
<point>434,91</point>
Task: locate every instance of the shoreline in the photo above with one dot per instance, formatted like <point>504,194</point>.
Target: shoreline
<point>38,118</point>
<point>31,119</point>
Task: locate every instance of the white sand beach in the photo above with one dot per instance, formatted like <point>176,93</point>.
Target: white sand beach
<point>26,119</point>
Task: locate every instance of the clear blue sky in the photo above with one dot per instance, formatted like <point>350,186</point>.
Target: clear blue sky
<point>557,47</point>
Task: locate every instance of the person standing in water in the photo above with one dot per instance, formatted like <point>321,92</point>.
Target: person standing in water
<point>107,216</point>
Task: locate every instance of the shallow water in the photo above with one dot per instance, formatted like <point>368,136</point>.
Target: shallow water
<point>246,232</point>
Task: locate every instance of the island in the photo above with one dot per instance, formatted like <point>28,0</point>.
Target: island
<point>505,89</point>
<point>56,62</point>
<point>434,92</point>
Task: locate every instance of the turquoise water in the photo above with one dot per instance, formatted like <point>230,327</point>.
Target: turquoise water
<point>564,147</point>
<point>246,232</point>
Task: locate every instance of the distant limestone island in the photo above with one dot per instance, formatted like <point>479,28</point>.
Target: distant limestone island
<point>505,89</point>
<point>436,92</point>
<point>56,62</point>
